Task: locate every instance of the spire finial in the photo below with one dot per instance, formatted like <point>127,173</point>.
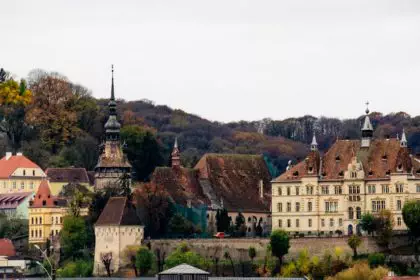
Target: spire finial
<point>403,141</point>
<point>367,107</point>
<point>112,82</point>
<point>176,159</point>
<point>314,144</point>
<point>176,143</point>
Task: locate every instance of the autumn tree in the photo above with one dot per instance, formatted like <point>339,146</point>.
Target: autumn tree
<point>153,207</point>
<point>52,111</point>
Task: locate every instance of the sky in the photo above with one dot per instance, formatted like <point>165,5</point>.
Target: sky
<point>226,60</point>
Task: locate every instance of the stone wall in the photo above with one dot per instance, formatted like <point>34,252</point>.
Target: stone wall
<point>238,247</point>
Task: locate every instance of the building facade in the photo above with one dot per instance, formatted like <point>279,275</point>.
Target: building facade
<point>112,163</point>
<point>15,204</point>
<point>60,177</point>
<point>19,174</point>
<point>327,194</point>
<point>117,227</point>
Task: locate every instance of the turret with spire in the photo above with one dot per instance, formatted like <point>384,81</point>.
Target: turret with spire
<point>175,155</point>
<point>314,144</point>
<point>367,129</point>
<point>112,126</point>
<point>112,163</point>
<point>403,141</point>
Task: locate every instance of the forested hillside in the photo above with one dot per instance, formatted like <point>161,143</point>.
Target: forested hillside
<point>58,123</point>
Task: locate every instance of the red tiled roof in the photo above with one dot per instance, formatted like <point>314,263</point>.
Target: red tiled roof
<point>8,166</point>
<point>118,211</point>
<point>384,156</point>
<point>44,198</point>
<point>182,185</point>
<point>12,200</point>
<point>235,179</point>
<point>7,248</point>
<point>69,175</point>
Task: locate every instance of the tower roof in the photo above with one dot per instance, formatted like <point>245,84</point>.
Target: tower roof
<point>112,126</point>
<point>367,125</point>
<point>403,141</point>
<point>43,197</point>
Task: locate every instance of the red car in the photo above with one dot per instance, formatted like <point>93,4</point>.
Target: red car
<point>220,235</point>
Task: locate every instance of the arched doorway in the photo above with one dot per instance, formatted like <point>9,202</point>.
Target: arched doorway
<point>350,230</point>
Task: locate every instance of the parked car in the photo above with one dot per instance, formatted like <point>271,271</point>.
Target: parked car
<point>220,235</point>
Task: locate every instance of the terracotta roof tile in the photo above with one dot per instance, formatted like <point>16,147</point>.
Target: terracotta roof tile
<point>44,198</point>
<point>236,179</point>
<point>7,248</point>
<point>182,185</point>
<point>8,166</point>
<point>118,211</point>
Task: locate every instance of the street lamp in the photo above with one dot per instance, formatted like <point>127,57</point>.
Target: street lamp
<point>44,255</point>
<point>40,264</point>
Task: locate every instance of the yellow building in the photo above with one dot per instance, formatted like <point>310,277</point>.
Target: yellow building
<point>327,194</point>
<point>19,174</point>
<point>60,177</point>
<point>46,215</point>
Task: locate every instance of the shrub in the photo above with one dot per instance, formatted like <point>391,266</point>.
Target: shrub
<point>376,259</point>
<point>144,260</point>
<point>361,271</point>
<point>80,268</point>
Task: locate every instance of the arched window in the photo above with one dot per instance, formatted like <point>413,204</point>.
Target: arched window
<point>358,213</point>
<point>351,213</point>
<point>40,220</point>
<point>36,220</point>
<point>309,206</point>
<point>32,221</point>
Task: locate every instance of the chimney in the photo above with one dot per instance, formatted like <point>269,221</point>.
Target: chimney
<point>8,155</point>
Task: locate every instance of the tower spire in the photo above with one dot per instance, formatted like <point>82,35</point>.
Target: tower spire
<point>403,142</point>
<point>367,129</point>
<point>175,155</point>
<point>112,82</point>
<point>314,144</point>
<point>112,126</point>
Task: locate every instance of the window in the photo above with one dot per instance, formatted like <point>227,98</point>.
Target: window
<point>324,190</point>
<point>36,220</point>
<point>288,223</point>
<point>354,189</point>
<point>338,189</point>
<point>358,213</point>
<point>353,174</point>
<point>399,221</point>
<point>31,185</point>
<point>61,220</point>
<point>398,204</point>
<point>289,206</point>
<point>33,172</point>
<point>297,223</point>
<point>418,188</point>
<point>279,207</point>
<point>22,185</point>
<point>309,206</point>
<point>297,190</point>
<point>309,222</point>
<point>40,233</point>
<point>14,184</point>
<point>331,206</point>
<point>24,172</point>
<point>36,233</point>
<point>297,207</point>
<point>340,222</point>
<point>371,189</point>
<point>385,188</point>
<point>32,233</point>
<point>288,190</point>
<point>322,223</point>
<point>56,220</point>
<point>279,190</point>
<point>280,223</point>
<point>351,213</point>
<point>309,190</point>
<point>40,220</point>
<point>378,205</point>
<point>331,222</point>
<point>52,220</point>
<point>399,188</point>
<point>4,184</point>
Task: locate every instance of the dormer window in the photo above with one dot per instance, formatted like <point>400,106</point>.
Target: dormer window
<point>399,167</point>
<point>384,157</point>
<point>370,173</point>
<point>353,174</point>
<point>418,171</point>
<point>296,173</point>
<point>324,174</point>
<point>341,173</point>
<point>337,158</point>
<point>310,169</point>
<point>44,202</point>
<point>388,173</point>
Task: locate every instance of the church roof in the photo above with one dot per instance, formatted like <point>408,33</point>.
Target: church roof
<point>118,211</point>
<point>235,179</point>
<point>181,184</point>
<point>8,165</point>
<point>68,175</point>
<point>379,160</point>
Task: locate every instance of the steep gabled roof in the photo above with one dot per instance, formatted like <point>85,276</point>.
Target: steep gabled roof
<point>112,156</point>
<point>235,180</point>
<point>182,185</point>
<point>9,165</point>
<point>118,211</point>
<point>44,198</point>
<point>379,160</point>
<point>7,248</point>
<point>68,175</point>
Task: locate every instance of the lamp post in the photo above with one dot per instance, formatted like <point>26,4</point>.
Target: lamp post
<point>44,255</point>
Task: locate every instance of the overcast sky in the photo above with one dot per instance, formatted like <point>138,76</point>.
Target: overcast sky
<point>226,60</point>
